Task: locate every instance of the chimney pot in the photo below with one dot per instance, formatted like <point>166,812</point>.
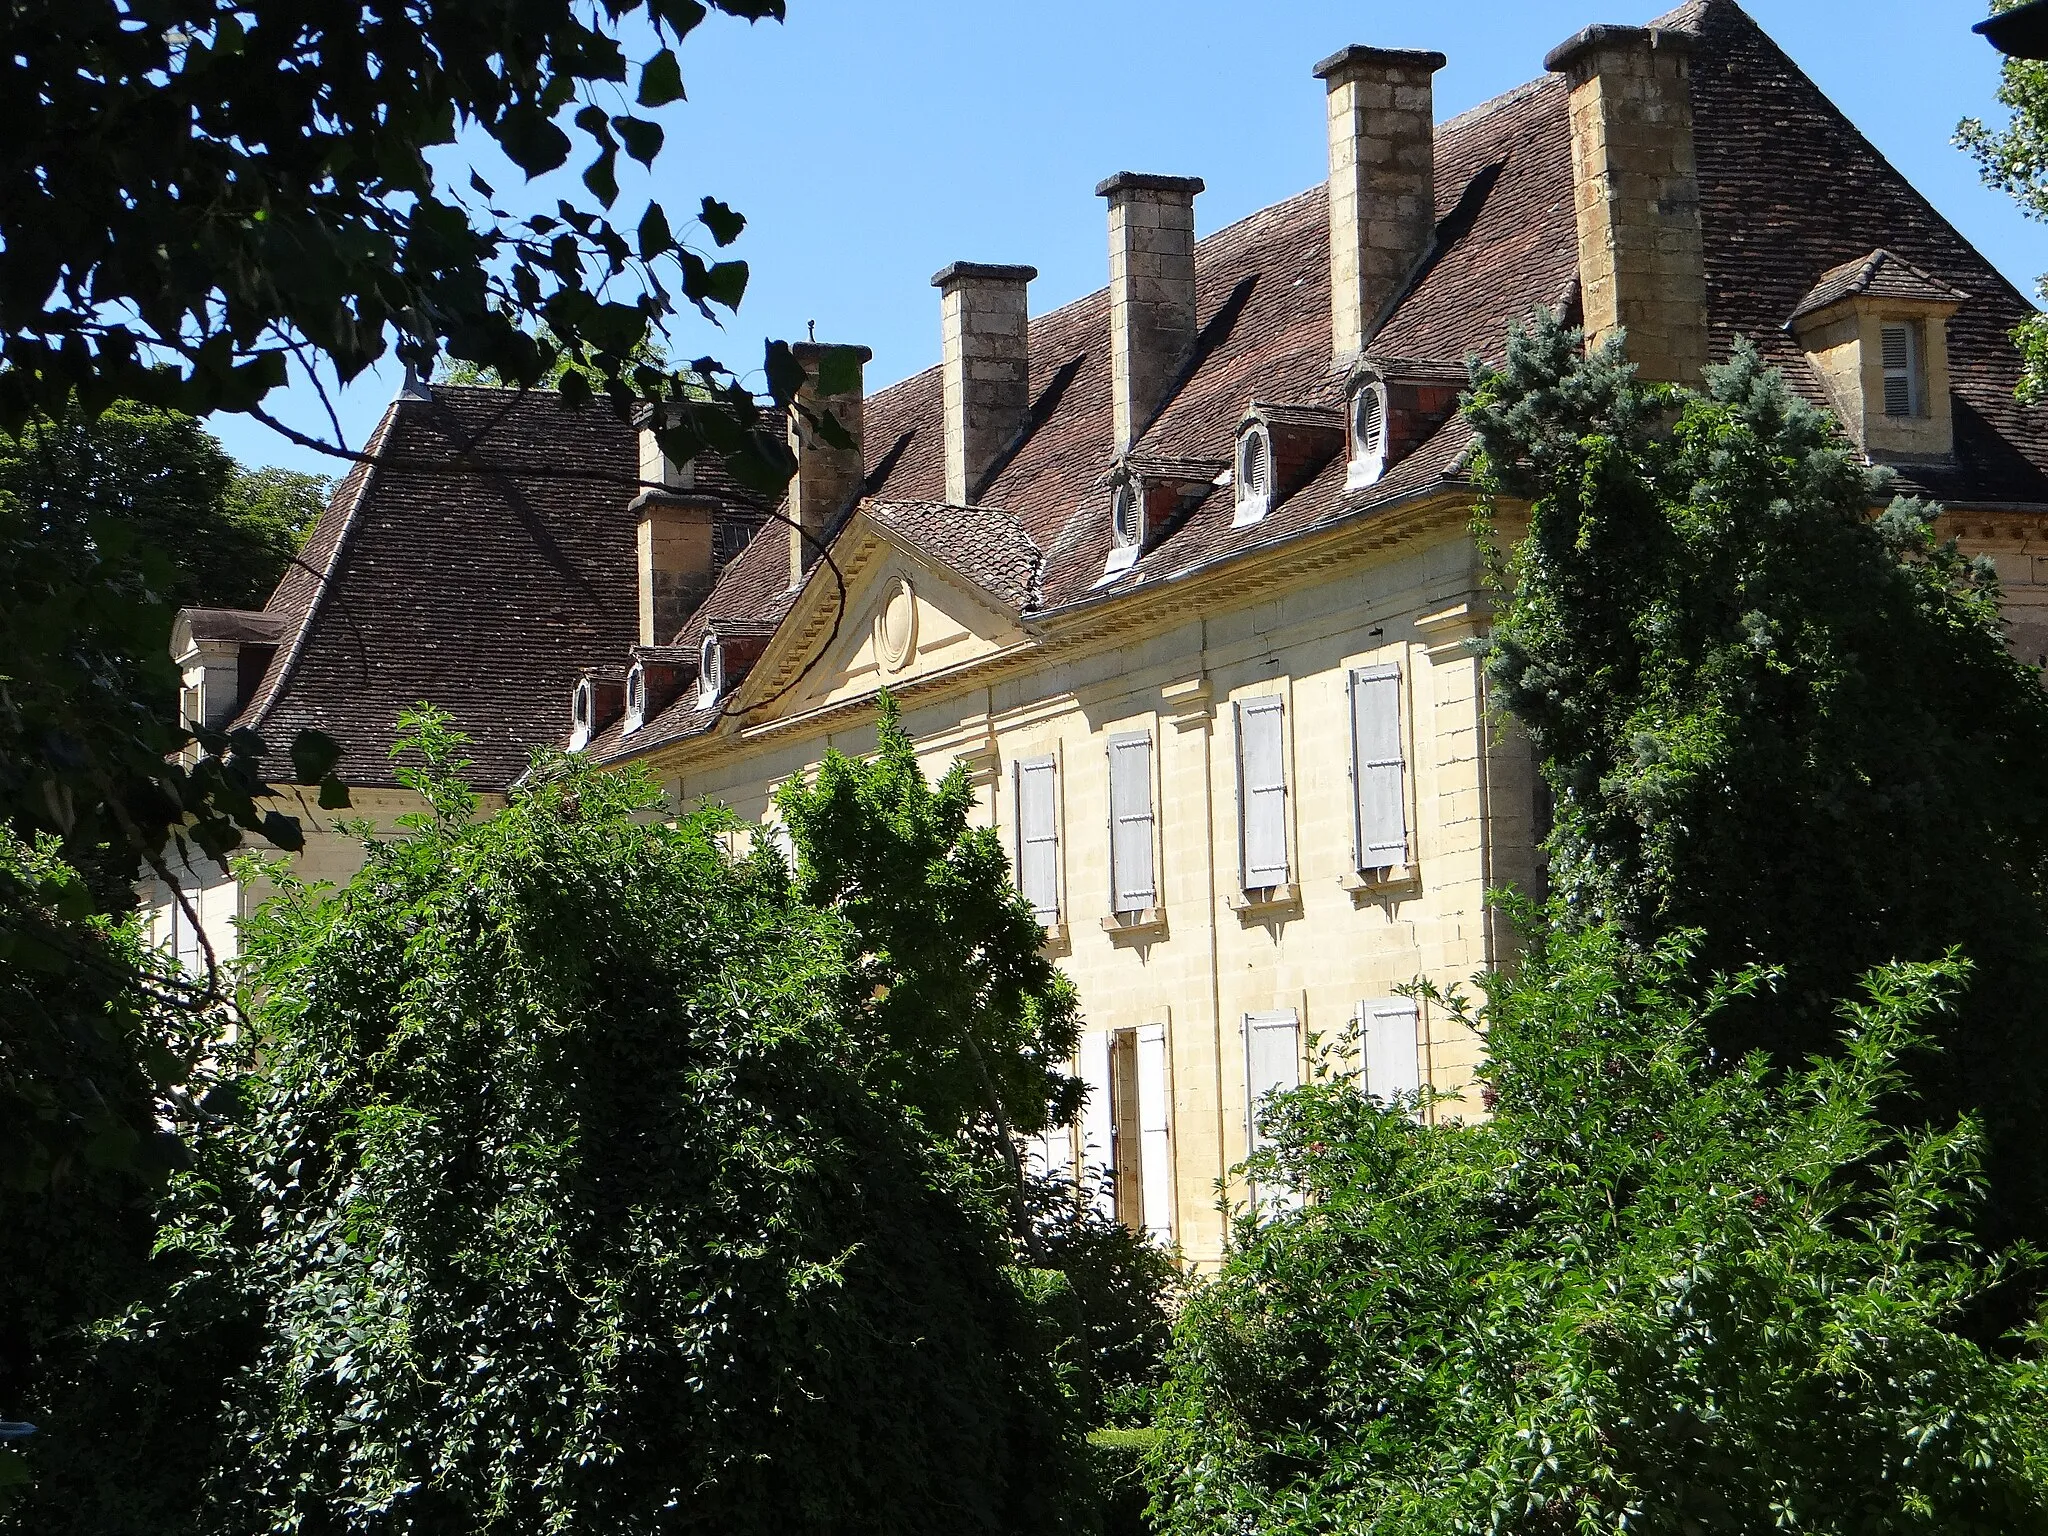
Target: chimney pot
<point>1635,188</point>
<point>1151,292</point>
<point>985,328</point>
<point>828,479</point>
<point>1381,107</point>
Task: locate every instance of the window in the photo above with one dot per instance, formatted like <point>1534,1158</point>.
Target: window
<point>1368,435</point>
<point>1387,1039</point>
<point>777,837</point>
<point>582,715</point>
<point>636,699</point>
<point>1378,773</point>
<point>1133,888</point>
<point>1272,1064</point>
<point>1038,838</point>
<point>1254,476</point>
<point>710,672</point>
<point>1901,342</point>
<point>1126,1140</point>
<point>187,947</point>
<point>1261,794</point>
<point>1127,516</point>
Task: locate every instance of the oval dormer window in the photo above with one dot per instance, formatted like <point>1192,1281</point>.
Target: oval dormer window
<point>1127,516</point>
<point>636,699</point>
<point>1368,435</point>
<point>710,671</point>
<point>1254,476</point>
<point>582,715</point>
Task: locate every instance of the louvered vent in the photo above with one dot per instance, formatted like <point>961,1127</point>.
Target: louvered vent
<point>1901,383</point>
<point>1369,417</point>
<point>1128,516</point>
<point>1258,464</point>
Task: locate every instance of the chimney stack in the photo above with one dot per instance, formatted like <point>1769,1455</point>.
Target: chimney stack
<point>986,330</point>
<point>1636,193</point>
<point>675,560</point>
<point>827,479</point>
<point>1151,291</point>
<point>1382,114</point>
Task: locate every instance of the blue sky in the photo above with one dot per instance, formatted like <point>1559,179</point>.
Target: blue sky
<point>869,144</point>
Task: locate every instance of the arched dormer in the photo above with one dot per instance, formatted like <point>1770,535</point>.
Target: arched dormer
<point>710,670</point>
<point>1254,473</point>
<point>1280,448</point>
<point>594,704</point>
<point>1147,492</point>
<point>1366,422</point>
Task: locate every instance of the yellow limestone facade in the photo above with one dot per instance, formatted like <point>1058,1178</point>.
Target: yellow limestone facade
<point>1187,1002</point>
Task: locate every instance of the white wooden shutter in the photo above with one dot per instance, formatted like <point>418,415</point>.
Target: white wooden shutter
<point>1098,1150</point>
<point>1378,772</point>
<point>1386,1032</point>
<point>1901,373</point>
<point>1262,793</point>
<point>1130,823</point>
<point>1272,1063</point>
<point>1154,1129</point>
<point>1051,1155</point>
<point>1038,838</point>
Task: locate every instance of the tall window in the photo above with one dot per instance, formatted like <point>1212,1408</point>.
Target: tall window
<point>1127,515</point>
<point>1387,1037</point>
<point>1038,837</point>
<point>710,672</point>
<point>1261,793</point>
<point>1272,1064</point>
<point>1378,772</point>
<point>1126,1135</point>
<point>1133,884</point>
<point>1901,342</point>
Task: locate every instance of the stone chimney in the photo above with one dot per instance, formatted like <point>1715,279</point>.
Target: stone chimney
<point>1636,192</point>
<point>986,331</point>
<point>1151,292</point>
<point>1382,111</point>
<point>674,542</point>
<point>828,479</point>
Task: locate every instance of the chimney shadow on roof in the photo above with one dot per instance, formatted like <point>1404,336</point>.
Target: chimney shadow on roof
<point>1451,228</point>
<point>1040,413</point>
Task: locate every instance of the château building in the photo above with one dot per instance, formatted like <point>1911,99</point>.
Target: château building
<point>1183,571</point>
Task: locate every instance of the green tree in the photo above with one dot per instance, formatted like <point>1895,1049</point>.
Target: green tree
<point>976,1024</point>
<point>1657,1291</point>
<point>571,1201</point>
<point>2014,160</point>
<point>649,350</point>
<point>1770,717</point>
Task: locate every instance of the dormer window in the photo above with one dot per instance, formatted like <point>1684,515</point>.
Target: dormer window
<point>1875,331</point>
<point>1126,526</point>
<point>710,672</point>
<point>636,699</point>
<point>582,714</point>
<point>1368,434</point>
<point>1254,475</point>
<point>1903,393</point>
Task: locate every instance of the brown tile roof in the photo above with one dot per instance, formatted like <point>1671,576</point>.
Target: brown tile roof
<point>1791,193</point>
<point>232,624</point>
<point>1878,275</point>
<point>479,559</point>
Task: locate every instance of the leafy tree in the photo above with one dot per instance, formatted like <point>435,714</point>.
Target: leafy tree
<point>1768,716</point>
<point>195,193</point>
<point>1657,1291</point>
<point>570,1202</point>
<point>2014,160</point>
<point>650,350</point>
<point>977,1025</point>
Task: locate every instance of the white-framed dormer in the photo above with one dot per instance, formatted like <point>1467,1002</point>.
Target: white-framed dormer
<point>1365,416</point>
<point>1253,473</point>
<point>710,671</point>
<point>583,713</point>
<point>636,699</point>
<point>1126,525</point>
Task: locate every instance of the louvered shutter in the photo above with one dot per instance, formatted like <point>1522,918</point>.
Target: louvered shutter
<point>1262,793</point>
<point>1900,382</point>
<point>1378,772</point>
<point>1155,1133</point>
<point>1272,1063</point>
<point>1130,823</point>
<point>1051,1155</point>
<point>1098,1145</point>
<point>1038,838</point>
<point>1386,1027</point>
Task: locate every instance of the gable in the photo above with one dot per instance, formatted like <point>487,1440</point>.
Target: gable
<point>906,620</point>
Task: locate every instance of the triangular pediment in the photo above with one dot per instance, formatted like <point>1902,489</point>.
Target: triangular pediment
<point>906,619</point>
